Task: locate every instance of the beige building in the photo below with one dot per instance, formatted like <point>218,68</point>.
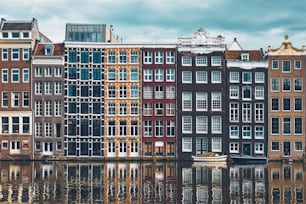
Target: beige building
<point>286,102</point>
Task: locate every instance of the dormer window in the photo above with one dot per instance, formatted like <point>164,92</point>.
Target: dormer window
<point>15,34</point>
<point>5,34</point>
<point>48,49</point>
<point>26,35</point>
<point>245,56</point>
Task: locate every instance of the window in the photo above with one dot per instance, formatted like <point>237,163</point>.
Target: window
<point>15,34</point>
<point>170,57</point>
<point>246,93</point>
<point>246,132</point>
<point>38,71</point>
<point>275,146</point>
<point>187,101</point>
<point>15,125</point>
<point>26,100</point>
<point>234,77</point>
<point>216,77</point>
<point>111,58</point>
<point>298,126</point>
<point>111,109</point>
<point>26,54</point>
<point>201,77</point>
<point>96,74</point>
<point>170,109</point>
<point>38,108</point>
<point>286,125</point>
<point>134,75</point>
<point>48,72</point>
<point>234,112</point>
<point>5,75</point>
<point>159,57</point>
<point>186,77</point>
<point>84,57</point>
<point>72,73</point>
<point>216,124</point>
<point>234,92</point>
<point>122,74</point>
<point>159,92</point>
<point>259,148</point>
<point>4,54</point>
<point>186,61</point>
<point>15,99</point>
<point>58,88</point>
<point>4,99</point>
<point>5,124</point>
<point>246,112</point>
<point>246,77</point>
<point>297,64</point>
<point>201,61</point>
<point>201,124</point>
<point>259,77</point>
<point>122,128</point>
<point>234,131</point>
<point>48,129</point>
<point>147,75</point>
<point>201,101</point>
<point>186,144</point>
<point>15,76</point>
<point>84,74</point>
<point>244,56</point>
<point>286,84</point>
<point>58,108</point>
<point>147,92</point>
<point>15,54</point>
<point>159,109</point>
<point>147,128</point>
<point>170,92</point>
<point>259,132</point>
<point>298,104</point>
<point>134,128</point>
<point>170,75</point>
<point>25,75</point>
<point>186,124</point>
<point>286,66</point>
<point>216,61</point>
<point>234,147</point>
<point>159,75</point>
<point>111,75</point>
<point>5,34</point>
<point>134,94</point>
<point>298,146</point>
<point>274,64</point>
<point>275,104</point>
<point>147,109</point>
<point>134,109</point>
<point>170,128</point>
<point>159,128</point>
<point>48,108</point>
<point>259,92</point>
<point>96,57</point>
<point>216,101</point>
<point>275,84</point>
<point>216,145</point>
<point>122,109</point>
<point>286,104</point>
<point>275,125</point>
<point>298,84</point>
<point>122,92</point>
<point>111,128</point>
<point>48,87</point>
<point>259,112</point>
<point>134,57</point>
<point>147,57</point>
<point>122,57</point>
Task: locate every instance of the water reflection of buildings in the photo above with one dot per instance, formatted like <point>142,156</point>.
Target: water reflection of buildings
<point>286,183</point>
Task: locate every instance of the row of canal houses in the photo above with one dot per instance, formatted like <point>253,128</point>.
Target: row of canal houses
<point>93,96</point>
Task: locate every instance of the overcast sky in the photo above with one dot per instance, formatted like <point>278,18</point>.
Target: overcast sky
<point>255,23</point>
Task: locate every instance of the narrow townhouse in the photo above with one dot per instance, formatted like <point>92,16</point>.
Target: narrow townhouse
<point>286,89</point>
<point>48,100</point>
<point>247,74</point>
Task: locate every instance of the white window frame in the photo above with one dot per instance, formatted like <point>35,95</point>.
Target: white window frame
<point>187,124</point>
<point>187,61</point>
<point>170,75</point>
<point>216,61</point>
<point>201,125</point>
<point>147,75</point>
<point>216,77</point>
<point>232,129</point>
<point>170,57</point>
<point>201,101</point>
<point>259,92</point>
<point>186,144</point>
<point>187,101</point>
<point>259,132</point>
<point>234,147</point>
<point>234,92</point>
<point>259,77</point>
<point>201,77</point>
<point>216,124</point>
<point>216,101</point>
<point>201,61</point>
<point>216,144</point>
<point>259,148</point>
<point>159,57</point>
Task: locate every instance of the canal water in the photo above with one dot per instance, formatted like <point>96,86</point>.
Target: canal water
<point>146,182</point>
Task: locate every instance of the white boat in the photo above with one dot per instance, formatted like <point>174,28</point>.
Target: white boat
<point>214,158</point>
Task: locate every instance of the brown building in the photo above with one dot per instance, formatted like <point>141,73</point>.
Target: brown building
<point>286,102</point>
<point>48,100</point>
<point>17,40</point>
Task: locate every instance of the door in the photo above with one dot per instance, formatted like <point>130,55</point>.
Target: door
<point>201,145</point>
<point>48,148</point>
<point>247,149</point>
<point>287,149</point>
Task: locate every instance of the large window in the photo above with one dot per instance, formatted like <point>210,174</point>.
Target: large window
<point>159,109</point>
<point>170,109</point>
<point>259,148</point>
<point>216,61</point>
<point>170,92</point>
<point>187,101</point>
<point>147,92</point>
<point>246,132</point>
<point>286,84</point>
<point>134,93</point>
<point>171,128</point>
<point>234,77</point>
<point>246,93</point>
<point>147,109</point>
<point>72,56</point>
<point>259,112</point>
<point>234,112</point>
<point>186,144</point>
<point>4,54</point>
<point>186,60</point>
<point>111,58</point>
<point>15,99</point>
<point>234,92</point>
<point>122,74</point>
<point>159,128</point>
<point>216,77</point>
<point>4,99</point>
<point>234,131</point>
<point>201,124</point>
<point>122,57</point>
<point>201,77</point>
<point>147,75</point>
<point>111,109</point>
<point>216,124</point>
<point>247,112</point>
<point>259,92</point>
<point>298,84</point>
<point>216,101</point>
<point>201,60</point>
<point>286,104</point>
<point>15,54</point>
<point>170,57</point>
<point>298,104</point>
<point>5,75</point>
<point>275,125</point>
<point>159,57</point>
<point>274,64</point>
<point>25,75</point>
<point>275,84</point>
<point>259,132</point>
<point>15,76</point>
<point>286,66</point>
<point>170,75</point>
<point>234,147</point>
<point>186,77</point>
<point>259,77</point>
<point>134,57</point>
<point>201,101</point>
<point>159,75</point>
<point>275,104</point>
<point>216,144</point>
<point>186,124</point>
<point>159,92</point>
<point>298,126</point>
<point>246,77</point>
<point>147,128</point>
<point>286,125</point>
<point>147,57</point>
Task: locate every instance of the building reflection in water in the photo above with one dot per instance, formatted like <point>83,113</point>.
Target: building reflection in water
<point>159,182</point>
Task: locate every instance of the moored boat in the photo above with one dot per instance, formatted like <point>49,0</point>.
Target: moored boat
<point>209,157</point>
